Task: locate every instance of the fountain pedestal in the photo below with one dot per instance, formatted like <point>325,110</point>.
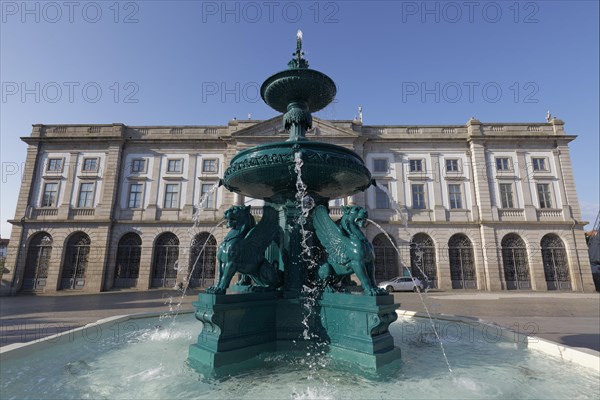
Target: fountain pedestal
<point>236,327</point>
<point>239,327</point>
<point>358,328</point>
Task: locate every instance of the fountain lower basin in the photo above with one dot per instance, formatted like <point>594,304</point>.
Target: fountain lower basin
<point>267,171</point>
<point>143,358</point>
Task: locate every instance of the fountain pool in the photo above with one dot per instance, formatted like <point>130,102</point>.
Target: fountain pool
<point>145,358</point>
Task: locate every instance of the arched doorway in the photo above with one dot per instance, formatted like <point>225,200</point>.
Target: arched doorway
<point>203,260</point>
<point>37,262</point>
<point>127,267</point>
<point>422,259</point>
<point>166,260</point>
<point>554,258</point>
<point>75,262</point>
<point>516,266</point>
<point>386,259</point>
<point>462,266</point>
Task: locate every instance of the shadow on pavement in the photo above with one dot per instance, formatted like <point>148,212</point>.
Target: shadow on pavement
<point>587,340</point>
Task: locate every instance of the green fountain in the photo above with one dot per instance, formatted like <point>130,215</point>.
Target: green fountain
<point>294,266</point>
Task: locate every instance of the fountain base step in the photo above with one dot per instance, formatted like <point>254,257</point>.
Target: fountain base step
<point>239,327</point>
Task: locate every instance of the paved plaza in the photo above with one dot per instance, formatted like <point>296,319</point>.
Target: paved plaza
<point>571,319</point>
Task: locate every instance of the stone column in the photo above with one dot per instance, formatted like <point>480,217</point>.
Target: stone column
<point>521,171</point>
<point>567,182</point>
<point>438,188</point>
<point>17,251</point>
<point>481,180</point>
<point>56,261</point>
<point>155,182</point>
<point>146,257</point>
<point>70,189</point>
<point>401,183</point>
<point>475,209</point>
<point>444,279</point>
<point>191,184</point>
<point>94,272</point>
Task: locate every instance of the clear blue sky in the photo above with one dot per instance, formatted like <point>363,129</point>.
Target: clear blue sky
<point>163,63</point>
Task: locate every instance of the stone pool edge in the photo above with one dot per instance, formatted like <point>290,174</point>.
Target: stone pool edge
<point>588,358</point>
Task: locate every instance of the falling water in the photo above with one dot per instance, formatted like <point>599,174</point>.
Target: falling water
<point>174,309</point>
<point>311,294</point>
<point>420,295</point>
<point>403,216</point>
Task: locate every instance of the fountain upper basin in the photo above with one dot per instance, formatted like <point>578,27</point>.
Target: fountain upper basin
<point>267,171</point>
<point>314,88</point>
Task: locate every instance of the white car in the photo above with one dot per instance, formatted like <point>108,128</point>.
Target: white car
<point>402,283</point>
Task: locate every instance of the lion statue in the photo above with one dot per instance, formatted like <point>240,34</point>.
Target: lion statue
<point>243,249</point>
<point>348,250</point>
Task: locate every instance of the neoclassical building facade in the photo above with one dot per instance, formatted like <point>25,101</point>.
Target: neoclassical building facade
<point>484,206</point>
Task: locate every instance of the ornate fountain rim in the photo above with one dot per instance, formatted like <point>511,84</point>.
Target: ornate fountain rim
<point>310,150</point>
<point>284,79</point>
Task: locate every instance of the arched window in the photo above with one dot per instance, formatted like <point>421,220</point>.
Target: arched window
<point>422,259</point>
<point>516,267</point>
<point>166,260</point>
<point>386,259</point>
<point>462,266</point>
<point>127,267</point>
<point>37,262</point>
<point>75,262</point>
<point>203,260</point>
<point>554,258</point>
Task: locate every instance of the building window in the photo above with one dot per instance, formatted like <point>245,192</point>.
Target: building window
<point>418,196</point>
<point>50,195</point>
<point>543,190</point>
<point>86,195</point>
<point>166,260</point>
<point>415,165</point>
<point>554,258</point>
<point>380,165</point>
<point>422,259</point>
<point>386,258</point>
<point>506,195</point>
<point>138,165</point>
<point>203,260</point>
<point>382,201</point>
<point>37,262</point>
<point>54,165</point>
<point>210,166</point>
<point>172,195</point>
<point>75,262</point>
<point>462,268</point>
<point>539,164</point>
<point>455,196</point>
<point>90,165</point>
<point>336,202</point>
<point>207,197</point>
<point>129,253</point>
<point>503,164</point>
<point>514,259</point>
<point>452,166</point>
<point>174,165</point>
<point>135,195</point>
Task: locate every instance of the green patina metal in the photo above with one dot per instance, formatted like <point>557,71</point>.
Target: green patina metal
<point>298,92</point>
<point>243,249</point>
<point>265,311</point>
<point>348,249</point>
<point>267,171</point>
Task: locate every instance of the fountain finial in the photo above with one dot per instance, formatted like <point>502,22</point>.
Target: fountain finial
<point>298,61</point>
